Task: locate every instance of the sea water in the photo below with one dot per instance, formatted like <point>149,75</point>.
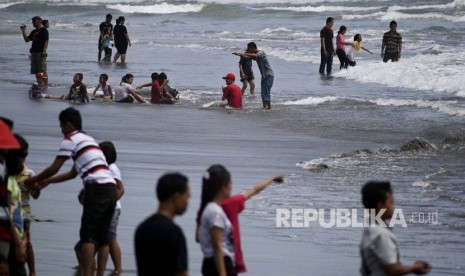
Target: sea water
<point>327,136</point>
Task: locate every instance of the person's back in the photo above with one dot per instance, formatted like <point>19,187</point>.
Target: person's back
<point>159,243</point>
<point>233,94</point>
<point>263,64</point>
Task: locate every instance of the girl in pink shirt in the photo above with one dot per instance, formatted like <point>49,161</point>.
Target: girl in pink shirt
<point>341,48</point>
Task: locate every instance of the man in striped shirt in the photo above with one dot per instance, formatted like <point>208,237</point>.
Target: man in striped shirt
<point>391,47</point>
<point>99,187</point>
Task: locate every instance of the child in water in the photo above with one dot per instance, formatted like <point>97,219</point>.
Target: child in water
<point>105,87</point>
<point>355,48</point>
<point>78,91</point>
<point>39,89</point>
<point>106,45</point>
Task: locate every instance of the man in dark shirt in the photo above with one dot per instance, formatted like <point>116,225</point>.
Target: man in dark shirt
<point>105,24</point>
<point>39,38</point>
<point>160,244</point>
<point>327,47</point>
<point>392,44</point>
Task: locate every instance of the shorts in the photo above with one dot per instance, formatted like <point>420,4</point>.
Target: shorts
<point>248,78</point>
<point>127,99</point>
<point>114,224</point>
<point>122,49</point>
<point>209,267</point>
<point>99,206</point>
<point>107,51</point>
<point>38,63</point>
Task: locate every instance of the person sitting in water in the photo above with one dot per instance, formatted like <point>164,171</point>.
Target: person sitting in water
<point>78,91</point>
<point>355,48</point>
<point>124,93</point>
<point>39,89</point>
<point>106,88</point>
<point>160,93</point>
<point>232,92</point>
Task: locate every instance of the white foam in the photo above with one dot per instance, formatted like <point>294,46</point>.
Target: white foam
<point>162,8</point>
<point>441,73</point>
<point>312,101</point>
<point>6,5</point>
<point>420,183</point>
<point>396,15</point>
<point>322,8</point>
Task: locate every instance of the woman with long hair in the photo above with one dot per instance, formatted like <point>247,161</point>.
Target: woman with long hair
<point>215,230</point>
<point>124,93</point>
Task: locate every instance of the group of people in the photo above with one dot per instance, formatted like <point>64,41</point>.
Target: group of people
<point>160,244</point>
<point>161,92</point>
<point>391,46</point>
<point>120,37</point>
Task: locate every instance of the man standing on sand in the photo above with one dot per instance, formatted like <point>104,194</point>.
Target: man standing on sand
<point>265,70</point>
<point>99,187</point>
<point>104,25</point>
<point>327,47</point>
<point>392,44</point>
<point>160,244</point>
<point>39,38</point>
<point>232,92</point>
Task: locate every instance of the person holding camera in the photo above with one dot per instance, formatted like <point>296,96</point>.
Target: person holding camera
<point>39,38</point>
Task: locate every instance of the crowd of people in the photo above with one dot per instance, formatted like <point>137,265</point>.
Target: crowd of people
<point>160,244</point>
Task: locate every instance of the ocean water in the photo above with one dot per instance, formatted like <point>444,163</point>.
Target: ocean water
<point>355,123</point>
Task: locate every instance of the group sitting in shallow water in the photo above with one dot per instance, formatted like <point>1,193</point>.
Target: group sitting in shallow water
<point>161,92</point>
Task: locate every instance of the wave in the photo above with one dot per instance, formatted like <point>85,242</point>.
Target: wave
<point>441,73</point>
<point>162,8</point>
<point>319,9</point>
<point>396,15</point>
<point>312,100</point>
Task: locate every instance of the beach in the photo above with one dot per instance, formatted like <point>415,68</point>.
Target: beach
<point>354,123</point>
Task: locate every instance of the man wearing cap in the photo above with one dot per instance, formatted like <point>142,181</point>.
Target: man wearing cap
<point>232,92</point>
<point>265,70</point>
<point>39,38</point>
<point>7,142</point>
<point>392,44</point>
<point>104,25</point>
<point>99,187</point>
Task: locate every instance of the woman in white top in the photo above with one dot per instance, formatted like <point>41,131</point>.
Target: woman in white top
<point>124,93</point>
<point>215,231</point>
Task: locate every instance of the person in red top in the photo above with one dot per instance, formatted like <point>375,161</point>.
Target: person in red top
<point>232,92</point>
<point>233,206</point>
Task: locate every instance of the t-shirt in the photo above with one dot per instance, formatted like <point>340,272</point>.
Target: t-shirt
<point>118,35</point>
<point>340,40</point>
<point>77,92</point>
<point>160,247</point>
<point>106,89</point>
<point>106,41</point>
<point>378,248</point>
<point>233,94</point>
<point>246,64</point>
<point>122,91</point>
<point>263,64</point>
<point>353,49</point>
<point>214,216</point>
<point>155,95</point>
<point>116,175</point>
<point>38,38</point>
<point>233,206</point>
<point>328,35</point>
<point>392,41</point>
<point>89,161</point>
<point>15,207</point>
<point>104,25</point>
<point>25,191</point>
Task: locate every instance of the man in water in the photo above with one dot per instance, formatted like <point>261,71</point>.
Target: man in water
<point>392,44</point>
<point>232,92</point>
<point>327,47</point>
<point>39,38</point>
<point>105,25</point>
<point>160,244</point>
<point>265,70</point>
